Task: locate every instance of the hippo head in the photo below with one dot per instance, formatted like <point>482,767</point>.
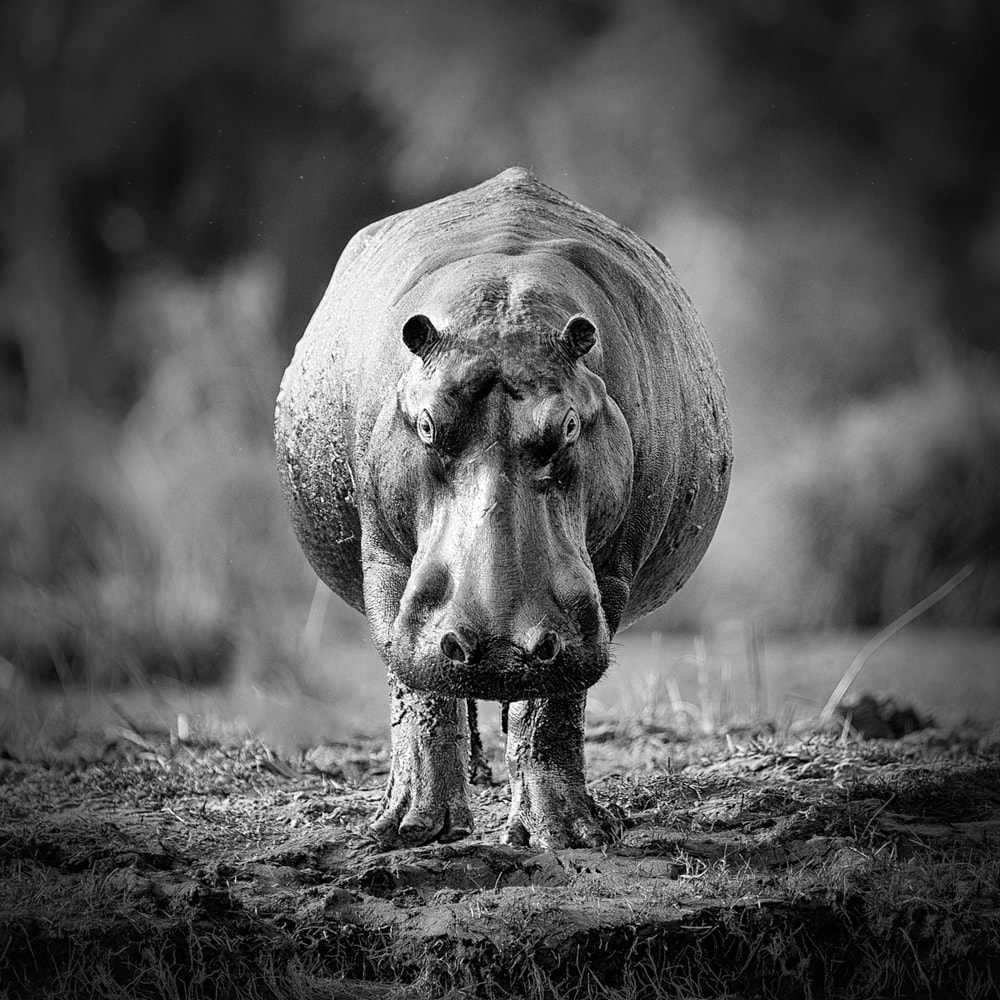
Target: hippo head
<point>511,468</point>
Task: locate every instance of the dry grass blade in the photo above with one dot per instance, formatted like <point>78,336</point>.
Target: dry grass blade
<point>887,633</point>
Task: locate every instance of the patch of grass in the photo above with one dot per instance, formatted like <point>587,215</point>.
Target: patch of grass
<point>937,792</point>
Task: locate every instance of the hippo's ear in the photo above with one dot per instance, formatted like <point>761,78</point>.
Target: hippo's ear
<point>578,336</point>
<point>419,335</point>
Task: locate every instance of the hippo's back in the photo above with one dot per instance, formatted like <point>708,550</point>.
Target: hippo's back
<point>513,231</point>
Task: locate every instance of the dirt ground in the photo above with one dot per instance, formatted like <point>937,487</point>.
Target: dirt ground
<point>136,865</point>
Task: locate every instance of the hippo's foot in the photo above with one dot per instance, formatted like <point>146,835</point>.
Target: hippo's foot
<point>550,812</point>
<point>414,812</point>
<point>550,807</point>
<point>427,796</point>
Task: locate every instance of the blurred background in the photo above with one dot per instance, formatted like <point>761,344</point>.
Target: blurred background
<point>177,180</point>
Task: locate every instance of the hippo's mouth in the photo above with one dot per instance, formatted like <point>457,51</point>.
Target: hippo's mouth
<point>505,677</point>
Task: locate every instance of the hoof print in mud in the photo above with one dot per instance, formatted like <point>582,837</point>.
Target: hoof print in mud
<point>503,437</point>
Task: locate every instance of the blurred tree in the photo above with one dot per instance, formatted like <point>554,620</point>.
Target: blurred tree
<point>913,88</point>
<point>873,126</point>
<point>444,72</point>
<point>155,130</point>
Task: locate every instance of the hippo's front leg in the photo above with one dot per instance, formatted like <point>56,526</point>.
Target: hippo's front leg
<point>427,795</point>
<point>550,806</point>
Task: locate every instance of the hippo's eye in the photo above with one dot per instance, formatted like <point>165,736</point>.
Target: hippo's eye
<point>425,427</point>
<point>571,426</point>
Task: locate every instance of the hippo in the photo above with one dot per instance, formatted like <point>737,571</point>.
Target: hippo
<point>503,437</point>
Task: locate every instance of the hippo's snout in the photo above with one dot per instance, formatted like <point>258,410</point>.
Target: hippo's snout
<point>460,638</point>
<point>499,614</point>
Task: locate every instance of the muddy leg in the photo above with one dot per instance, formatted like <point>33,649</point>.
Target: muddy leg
<point>427,795</point>
<point>550,806</point>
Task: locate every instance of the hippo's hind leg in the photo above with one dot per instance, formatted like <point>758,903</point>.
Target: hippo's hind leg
<point>550,806</point>
<point>427,795</point>
<point>479,769</point>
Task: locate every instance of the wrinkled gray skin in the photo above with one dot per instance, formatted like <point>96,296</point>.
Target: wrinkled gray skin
<point>503,437</point>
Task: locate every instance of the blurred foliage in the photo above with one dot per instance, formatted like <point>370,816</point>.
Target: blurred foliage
<point>137,134</point>
<point>898,493</point>
<point>159,545</point>
<point>177,179</point>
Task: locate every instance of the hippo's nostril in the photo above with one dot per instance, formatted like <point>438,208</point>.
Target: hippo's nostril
<point>547,648</point>
<point>459,647</point>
